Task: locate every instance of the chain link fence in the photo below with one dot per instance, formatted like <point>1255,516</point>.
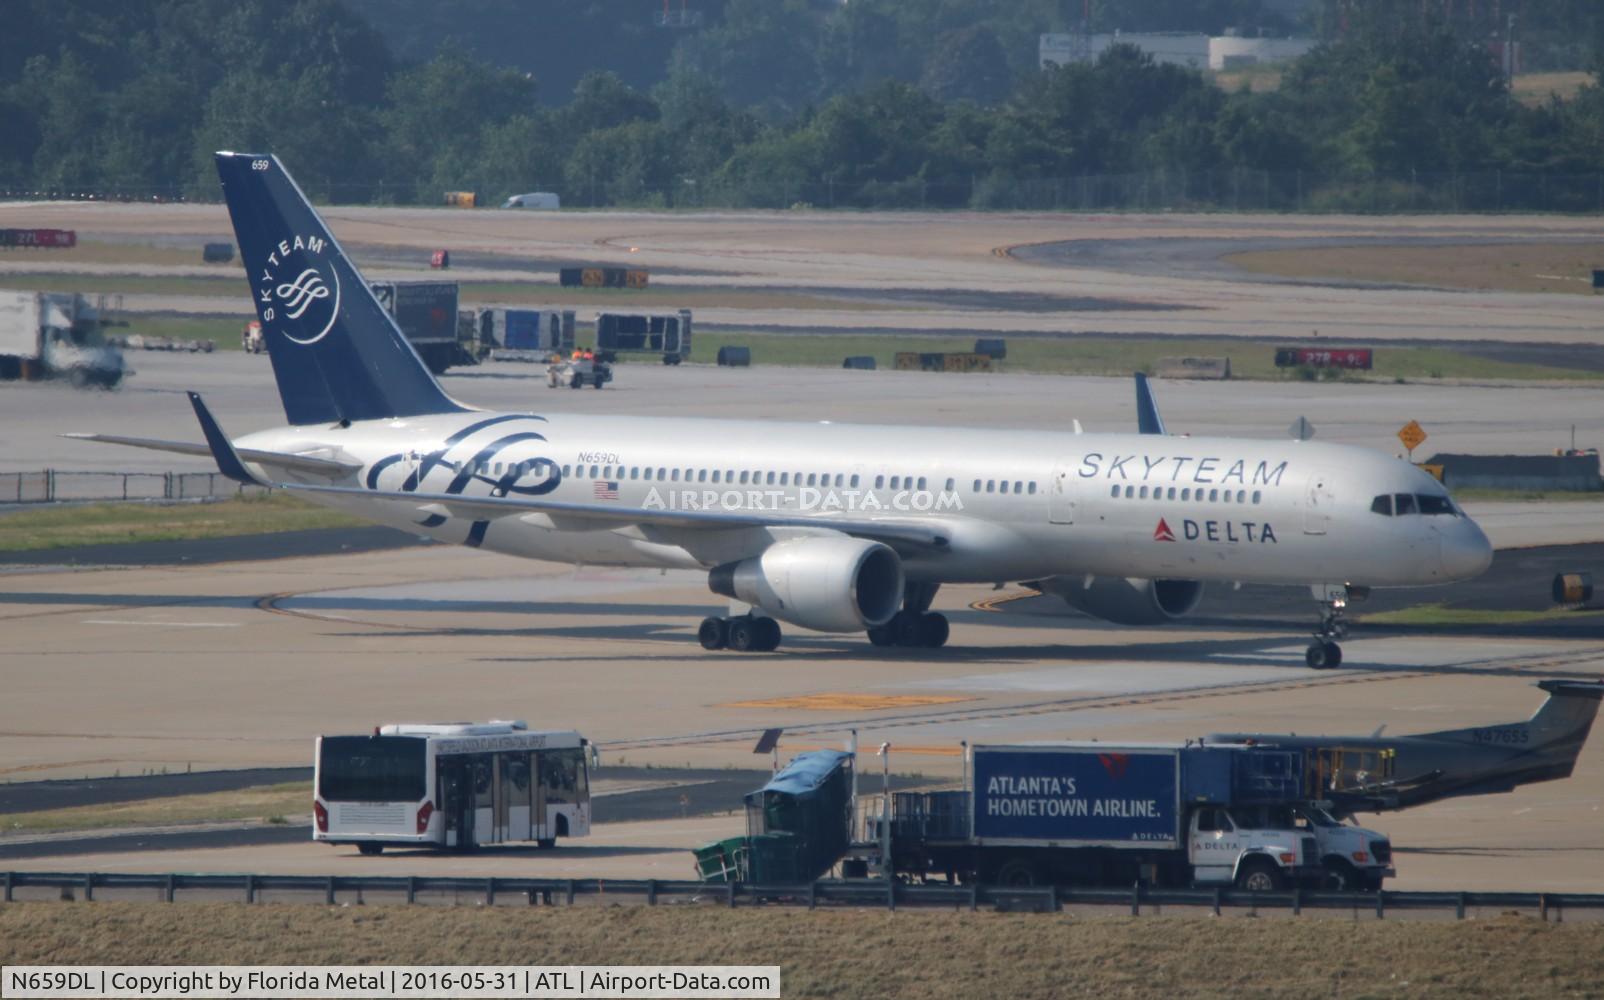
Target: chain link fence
<point>57,485</point>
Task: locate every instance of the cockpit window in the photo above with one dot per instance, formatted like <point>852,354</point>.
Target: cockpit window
<point>1405,503</point>
<point>1433,504</point>
<point>1382,505</point>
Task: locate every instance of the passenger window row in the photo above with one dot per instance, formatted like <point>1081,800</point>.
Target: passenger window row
<point>1185,493</point>
<point>1401,504</point>
<point>1017,487</point>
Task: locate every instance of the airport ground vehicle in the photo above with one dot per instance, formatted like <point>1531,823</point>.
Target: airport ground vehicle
<point>534,199</point>
<point>1106,814</point>
<point>456,786</point>
<point>666,334</point>
<point>251,338</point>
<point>56,335</point>
<point>426,312</point>
<point>576,373</point>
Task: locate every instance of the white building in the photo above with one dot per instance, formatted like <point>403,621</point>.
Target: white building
<point>1193,50</point>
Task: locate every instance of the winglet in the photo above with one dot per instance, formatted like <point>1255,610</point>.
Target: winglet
<point>228,460</point>
<point>1148,420</point>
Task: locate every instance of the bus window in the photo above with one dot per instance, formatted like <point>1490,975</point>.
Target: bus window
<point>515,779</point>
<point>371,769</point>
<point>559,774</point>
<point>481,782</point>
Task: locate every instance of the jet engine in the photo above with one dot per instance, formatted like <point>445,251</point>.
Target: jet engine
<point>831,584</point>
<point>1128,600</point>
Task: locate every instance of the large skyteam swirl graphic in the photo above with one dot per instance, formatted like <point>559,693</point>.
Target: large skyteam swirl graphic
<point>298,292</point>
<point>462,460</point>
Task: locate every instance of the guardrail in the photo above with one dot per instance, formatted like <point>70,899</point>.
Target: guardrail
<point>55,485</point>
<point>830,892</point>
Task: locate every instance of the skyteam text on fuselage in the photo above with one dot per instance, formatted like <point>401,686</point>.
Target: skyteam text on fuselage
<point>833,527</point>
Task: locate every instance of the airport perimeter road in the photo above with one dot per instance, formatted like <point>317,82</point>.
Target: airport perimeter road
<point>241,664</point>
<point>239,388</point>
<point>950,251</point>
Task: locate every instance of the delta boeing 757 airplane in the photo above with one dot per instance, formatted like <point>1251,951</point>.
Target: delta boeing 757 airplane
<point>832,527</point>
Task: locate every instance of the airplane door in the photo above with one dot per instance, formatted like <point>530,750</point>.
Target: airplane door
<point>456,801</point>
<point>1063,498</point>
<point>1317,502</point>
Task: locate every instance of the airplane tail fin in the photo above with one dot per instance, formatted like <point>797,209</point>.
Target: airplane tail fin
<point>336,354</point>
<point>1148,420</point>
<point>1560,724</point>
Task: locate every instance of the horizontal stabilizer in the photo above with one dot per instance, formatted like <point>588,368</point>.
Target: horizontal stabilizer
<point>281,460</point>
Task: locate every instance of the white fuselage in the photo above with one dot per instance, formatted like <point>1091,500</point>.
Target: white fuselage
<point>1016,505</point>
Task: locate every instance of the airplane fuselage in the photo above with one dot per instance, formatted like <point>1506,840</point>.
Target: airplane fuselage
<point>1015,505</point>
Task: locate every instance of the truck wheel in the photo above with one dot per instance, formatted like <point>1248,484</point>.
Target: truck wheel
<point>597,382</point>
<point>1017,873</point>
<point>575,382</point>
<point>546,843</point>
<point>1259,875</point>
<point>1341,876</point>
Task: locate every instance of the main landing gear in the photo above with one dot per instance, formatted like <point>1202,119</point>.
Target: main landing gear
<point>1324,653</point>
<point>743,633</point>
<point>915,625</point>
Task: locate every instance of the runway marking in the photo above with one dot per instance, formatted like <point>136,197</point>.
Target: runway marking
<point>840,701</point>
<point>991,603</point>
<point>119,621</point>
<point>921,750</point>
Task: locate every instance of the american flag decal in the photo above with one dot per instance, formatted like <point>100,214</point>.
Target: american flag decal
<point>606,489</point>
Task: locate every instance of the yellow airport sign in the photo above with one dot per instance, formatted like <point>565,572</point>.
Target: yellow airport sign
<point>1412,435</point>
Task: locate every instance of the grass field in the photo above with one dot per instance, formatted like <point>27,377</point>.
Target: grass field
<point>268,802</point>
<point>1117,356</point>
<point>100,524</point>
<point>1539,88</point>
<point>844,954</point>
<point>1528,267</point>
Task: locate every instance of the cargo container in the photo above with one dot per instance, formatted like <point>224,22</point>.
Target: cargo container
<point>546,331</point>
<point>56,335</point>
<point>664,334</point>
<point>426,312</point>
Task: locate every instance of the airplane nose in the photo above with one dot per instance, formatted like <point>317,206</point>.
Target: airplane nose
<point>1466,552</point>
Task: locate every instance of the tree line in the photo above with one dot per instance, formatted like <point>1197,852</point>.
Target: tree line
<point>131,100</point>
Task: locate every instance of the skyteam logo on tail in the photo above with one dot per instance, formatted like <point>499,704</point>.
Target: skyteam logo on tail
<point>298,293</point>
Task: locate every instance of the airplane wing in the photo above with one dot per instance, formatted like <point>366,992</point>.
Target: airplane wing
<point>299,463</point>
<point>930,534</point>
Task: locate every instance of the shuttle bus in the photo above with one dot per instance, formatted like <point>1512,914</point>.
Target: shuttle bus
<point>457,785</point>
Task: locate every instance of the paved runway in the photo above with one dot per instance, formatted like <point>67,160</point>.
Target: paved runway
<point>240,664</point>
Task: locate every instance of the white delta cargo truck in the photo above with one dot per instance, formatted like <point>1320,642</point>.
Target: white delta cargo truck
<point>56,335</point>
<point>1107,814</point>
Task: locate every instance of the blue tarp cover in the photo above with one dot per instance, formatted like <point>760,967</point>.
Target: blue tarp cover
<point>806,772</point>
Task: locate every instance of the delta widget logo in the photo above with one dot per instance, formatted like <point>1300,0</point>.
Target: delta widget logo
<point>298,293</point>
<point>1162,533</point>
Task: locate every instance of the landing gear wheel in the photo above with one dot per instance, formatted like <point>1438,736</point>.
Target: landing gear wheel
<point>1323,655</point>
<point>768,633</point>
<point>744,636</point>
<point>370,849</point>
<point>933,630</point>
<point>712,633</point>
<point>881,635</point>
<point>905,627</point>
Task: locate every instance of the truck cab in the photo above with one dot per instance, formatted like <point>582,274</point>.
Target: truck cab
<point>1256,848</point>
<point>1351,857</point>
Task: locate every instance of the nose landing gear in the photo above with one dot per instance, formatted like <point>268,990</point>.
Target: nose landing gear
<point>1324,653</point>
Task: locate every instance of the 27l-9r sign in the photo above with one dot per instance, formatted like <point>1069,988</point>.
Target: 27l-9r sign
<point>1324,357</point>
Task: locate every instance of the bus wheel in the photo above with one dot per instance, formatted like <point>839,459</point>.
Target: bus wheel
<point>370,849</point>
<point>546,843</point>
